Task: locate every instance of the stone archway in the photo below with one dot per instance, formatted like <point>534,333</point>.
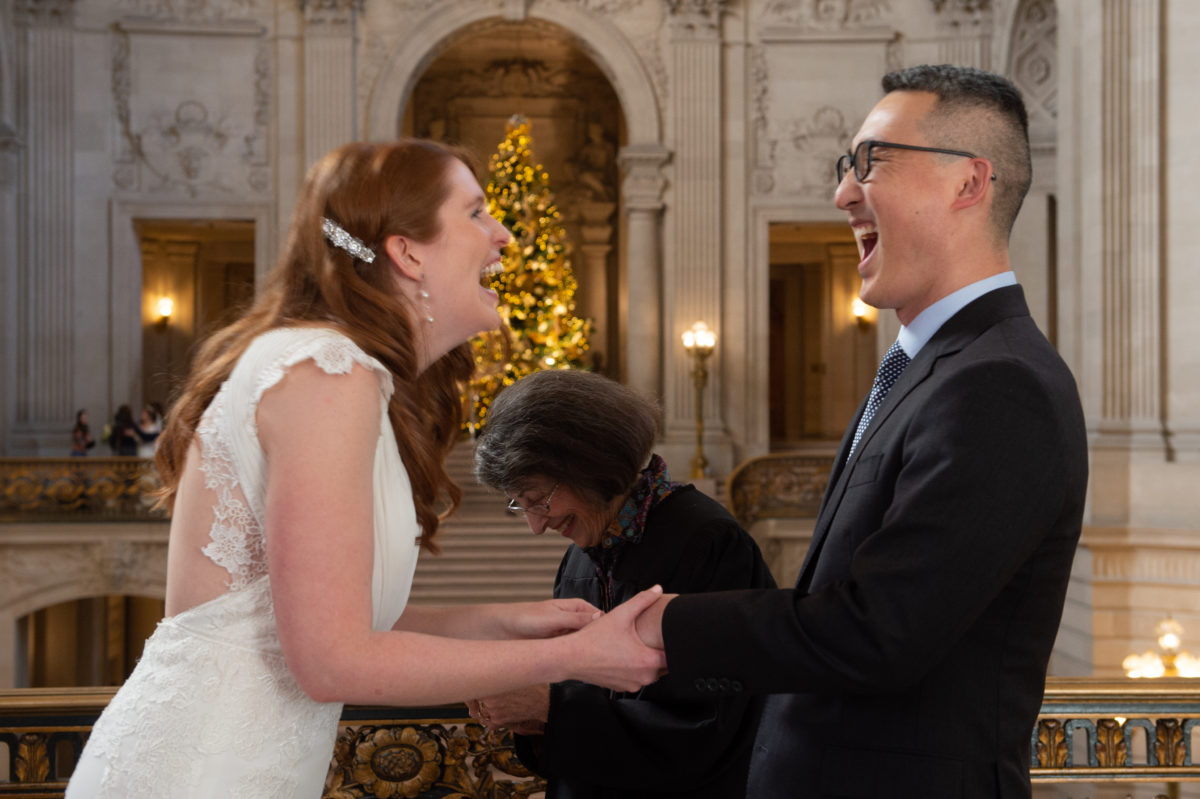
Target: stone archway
<point>612,52</point>
<point>45,564</point>
<point>640,160</point>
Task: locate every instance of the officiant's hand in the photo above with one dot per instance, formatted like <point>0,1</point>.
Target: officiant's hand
<point>523,711</point>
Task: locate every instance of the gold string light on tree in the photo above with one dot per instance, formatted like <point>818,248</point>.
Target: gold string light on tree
<point>536,285</point>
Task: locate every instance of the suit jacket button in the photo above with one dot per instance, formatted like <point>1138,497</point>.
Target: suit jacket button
<point>723,685</point>
<point>701,686</point>
<point>712,685</point>
<point>736,685</point>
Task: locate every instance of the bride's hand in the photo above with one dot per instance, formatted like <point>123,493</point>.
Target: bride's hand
<point>546,619</point>
<point>610,652</point>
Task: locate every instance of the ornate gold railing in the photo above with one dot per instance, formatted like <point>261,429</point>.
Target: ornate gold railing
<point>1120,731</point>
<point>77,489</point>
<point>413,752</point>
<point>1088,731</point>
<point>786,485</point>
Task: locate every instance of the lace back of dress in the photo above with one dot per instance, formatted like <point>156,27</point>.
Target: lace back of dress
<point>237,543</point>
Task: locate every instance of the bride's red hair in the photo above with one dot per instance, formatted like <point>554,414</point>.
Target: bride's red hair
<point>373,191</point>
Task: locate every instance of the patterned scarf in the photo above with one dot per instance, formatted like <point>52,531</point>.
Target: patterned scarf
<point>652,486</point>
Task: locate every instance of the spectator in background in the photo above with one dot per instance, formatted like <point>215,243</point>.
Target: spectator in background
<point>81,436</point>
<point>148,429</point>
<point>124,439</point>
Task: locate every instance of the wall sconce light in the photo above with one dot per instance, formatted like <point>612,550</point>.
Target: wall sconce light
<point>1172,663</point>
<point>699,342</point>
<point>166,307</point>
<point>861,312</point>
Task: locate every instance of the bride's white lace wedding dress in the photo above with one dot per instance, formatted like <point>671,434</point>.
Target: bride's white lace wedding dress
<point>211,709</point>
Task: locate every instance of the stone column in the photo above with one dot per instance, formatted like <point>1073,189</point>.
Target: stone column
<point>330,113</point>
<point>596,236</point>
<point>1121,258</point>
<point>692,277</point>
<point>40,391</point>
<point>642,198</point>
<point>1112,271</point>
<point>1131,183</point>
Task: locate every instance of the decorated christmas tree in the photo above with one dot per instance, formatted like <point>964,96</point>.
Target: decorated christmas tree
<point>536,286</point>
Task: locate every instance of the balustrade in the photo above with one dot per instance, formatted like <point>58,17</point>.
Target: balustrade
<point>1089,731</point>
<point>78,489</point>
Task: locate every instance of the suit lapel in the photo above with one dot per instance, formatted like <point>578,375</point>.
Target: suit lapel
<point>956,333</point>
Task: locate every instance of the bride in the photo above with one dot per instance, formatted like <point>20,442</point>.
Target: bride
<point>304,462</point>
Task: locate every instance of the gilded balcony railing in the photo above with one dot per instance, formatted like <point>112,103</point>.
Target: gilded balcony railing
<point>1089,731</point>
<point>76,489</point>
<point>413,752</point>
<point>1119,731</point>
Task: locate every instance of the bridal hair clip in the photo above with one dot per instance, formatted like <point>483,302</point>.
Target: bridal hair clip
<point>338,236</point>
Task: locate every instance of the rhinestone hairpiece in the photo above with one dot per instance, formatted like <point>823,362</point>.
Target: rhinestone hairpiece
<point>338,236</point>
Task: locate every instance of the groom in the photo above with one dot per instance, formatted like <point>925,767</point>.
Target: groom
<point>910,657</point>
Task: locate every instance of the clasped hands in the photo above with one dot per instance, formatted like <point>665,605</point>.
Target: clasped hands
<point>621,650</point>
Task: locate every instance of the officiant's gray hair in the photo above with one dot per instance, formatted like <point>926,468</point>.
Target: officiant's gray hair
<point>578,428</point>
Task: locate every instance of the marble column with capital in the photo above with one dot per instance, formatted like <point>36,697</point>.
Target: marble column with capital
<point>595,236</point>
<point>39,380</point>
<point>1112,187</point>
<point>1130,254</point>
<point>692,274</point>
<point>642,201</point>
<point>330,112</point>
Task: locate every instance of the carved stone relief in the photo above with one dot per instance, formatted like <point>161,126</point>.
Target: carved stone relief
<point>610,6</point>
<point>1033,58</point>
<point>696,17</point>
<point>187,149</point>
<point>190,10</point>
<point>372,56</point>
<point>586,169</point>
<point>644,182</point>
<point>109,566</point>
<point>962,7</point>
<point>806,151</point>
<point>256,153</point>
<point>792,156</point>
<point>414,5</point>
<point>893,54</point>
<point>968,14</point>
<point>330,12</point>
<point>764,145</point>
<point>825,15</point>
<point>44,12</point>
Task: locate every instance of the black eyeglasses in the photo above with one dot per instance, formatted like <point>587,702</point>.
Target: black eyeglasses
<point>541,508</point>
<point>860,159</point>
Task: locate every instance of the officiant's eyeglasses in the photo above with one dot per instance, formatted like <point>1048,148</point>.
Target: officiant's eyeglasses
<point>541,508</point>
<point>860,160</point>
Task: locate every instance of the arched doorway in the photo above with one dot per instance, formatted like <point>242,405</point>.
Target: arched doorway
<point>492,69</point>
<point>640,159</point>
<point>81,642</point>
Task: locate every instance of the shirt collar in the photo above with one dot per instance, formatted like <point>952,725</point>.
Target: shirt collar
<point>916,334</point>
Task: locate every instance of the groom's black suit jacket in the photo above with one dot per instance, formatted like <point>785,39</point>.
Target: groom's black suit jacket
<point>909,660</point>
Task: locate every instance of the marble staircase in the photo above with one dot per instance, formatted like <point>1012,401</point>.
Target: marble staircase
<point>488,554</point>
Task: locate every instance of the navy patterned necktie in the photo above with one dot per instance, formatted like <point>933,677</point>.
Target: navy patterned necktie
<point>893,363</point>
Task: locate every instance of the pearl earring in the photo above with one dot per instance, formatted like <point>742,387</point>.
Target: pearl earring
<point>424,295</point>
